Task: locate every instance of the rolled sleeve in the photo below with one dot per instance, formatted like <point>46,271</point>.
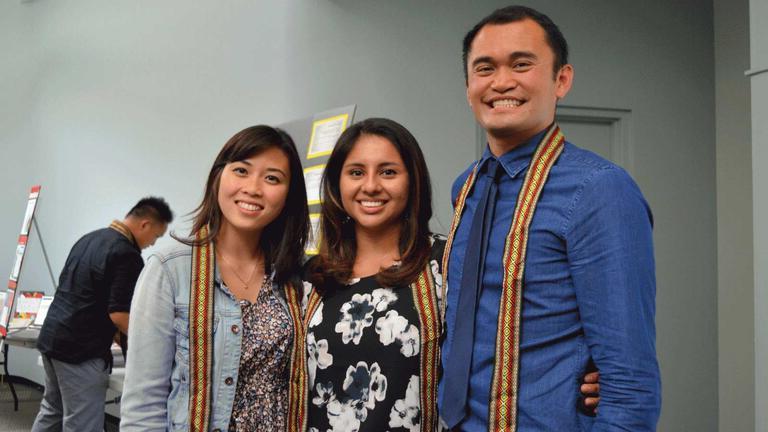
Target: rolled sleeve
<point>610,254</point>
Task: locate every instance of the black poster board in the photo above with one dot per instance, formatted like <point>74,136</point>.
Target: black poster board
<point>314,137</point>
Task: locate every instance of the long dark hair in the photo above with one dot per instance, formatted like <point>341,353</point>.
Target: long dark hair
<point>284,238</point>
<point>338,247</point>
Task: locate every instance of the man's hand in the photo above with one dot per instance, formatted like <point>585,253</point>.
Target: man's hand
<point>120,319</point>
<point>591,390</point>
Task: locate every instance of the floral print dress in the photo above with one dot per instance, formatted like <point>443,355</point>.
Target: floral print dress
<point>363,347</point>
<point>261,396</point>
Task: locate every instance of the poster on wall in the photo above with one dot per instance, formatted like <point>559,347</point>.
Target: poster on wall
<point>314,243</point>
<point>325,132</point>
<point>315,138</point>
<point>316,135</point>
<point>313,177</point>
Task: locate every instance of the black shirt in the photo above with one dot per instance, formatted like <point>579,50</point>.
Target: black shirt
<point>98,278</point>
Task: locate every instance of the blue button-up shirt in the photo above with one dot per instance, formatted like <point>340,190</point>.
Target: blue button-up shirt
<point>589,295</point>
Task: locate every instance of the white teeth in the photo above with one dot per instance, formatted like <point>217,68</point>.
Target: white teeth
<point>507,103</point>
<point>372,203</point>
<point>247,206</point>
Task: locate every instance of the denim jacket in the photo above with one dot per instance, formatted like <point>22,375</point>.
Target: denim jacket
<point>156,388</point>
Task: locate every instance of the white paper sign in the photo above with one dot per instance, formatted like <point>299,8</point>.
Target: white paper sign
<point>42,311</point>
<point>17,265</point>
<point>26,303</point>
<point>312,178</point>
<point>28,216</point>
<point>325,132</point>
<point>312,246</point>
<point>4,315</point>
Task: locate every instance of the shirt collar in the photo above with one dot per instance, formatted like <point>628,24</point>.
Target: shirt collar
<point>517,159</point>
<point>124,230</point>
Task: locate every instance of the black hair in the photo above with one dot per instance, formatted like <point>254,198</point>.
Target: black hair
<point>152,207</point>
<point>509,14</point>
<point>283,240</point>
<point>338,248</point>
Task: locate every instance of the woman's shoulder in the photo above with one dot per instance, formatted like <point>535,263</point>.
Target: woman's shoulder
<point>172,251</point>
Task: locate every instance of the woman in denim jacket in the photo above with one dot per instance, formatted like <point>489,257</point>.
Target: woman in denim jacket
<point>215,319</point>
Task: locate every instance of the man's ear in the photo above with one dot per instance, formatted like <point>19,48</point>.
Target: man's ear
<point>469,101</point>
<point>564,80</point>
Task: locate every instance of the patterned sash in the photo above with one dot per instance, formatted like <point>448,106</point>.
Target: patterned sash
<point>123,229</point>
<point>201,333</point>
<point>503,396</point>
<point>425,299</point>
<point>297,384</point>
<point>201,343</point>
<point>301,399</point>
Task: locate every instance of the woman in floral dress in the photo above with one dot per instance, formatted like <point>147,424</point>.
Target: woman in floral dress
<point>373,315</point>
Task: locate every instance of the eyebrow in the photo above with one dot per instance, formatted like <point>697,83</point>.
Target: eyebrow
<point>360,164</point>
<point>278,170</point>
<point>512,56</point>
<point>246,162</point>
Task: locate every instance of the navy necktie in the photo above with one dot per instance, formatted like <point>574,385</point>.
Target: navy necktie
<point>457,367</point>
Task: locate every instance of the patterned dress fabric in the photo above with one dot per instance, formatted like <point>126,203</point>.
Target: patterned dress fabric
<point>363,347</point>
<point>261,398</point>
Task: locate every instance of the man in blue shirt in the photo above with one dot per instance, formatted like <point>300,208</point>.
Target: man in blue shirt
<point>550,269</point>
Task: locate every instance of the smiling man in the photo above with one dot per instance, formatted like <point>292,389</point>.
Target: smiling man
<point>550,269</point>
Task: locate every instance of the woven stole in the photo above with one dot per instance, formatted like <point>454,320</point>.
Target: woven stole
<point>297,384</point>
<point>201,343</point>
<point>201,333</point>
<point>503,395</point>
<point>313,302</point>
<point>425,300</point>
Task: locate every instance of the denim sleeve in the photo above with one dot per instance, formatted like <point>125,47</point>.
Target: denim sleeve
<point>151,350</point>
<point>610,253</point>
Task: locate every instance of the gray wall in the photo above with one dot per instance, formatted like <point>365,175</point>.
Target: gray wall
<point>759,84</point>
<point>103,103</point>
<point>736,362</point>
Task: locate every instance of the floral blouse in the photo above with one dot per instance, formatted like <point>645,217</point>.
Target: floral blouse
<point>363,347</point>
<point>261,398</point>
